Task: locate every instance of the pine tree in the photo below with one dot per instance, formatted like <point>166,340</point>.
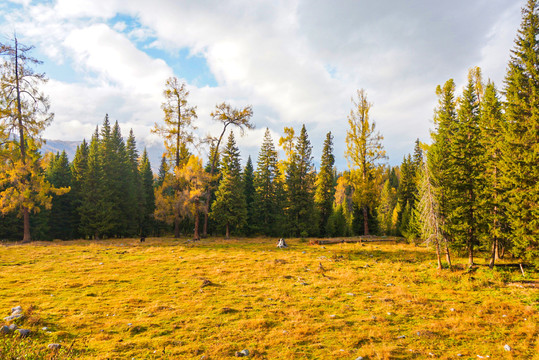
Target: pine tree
<point>268,204</point>
<point>300,180</point>
<point>229,209</point>
<point>249,192</point>
<point>61,219</point>
<point>406,195</point>
<point>325,184</point>
<point>520,153</point>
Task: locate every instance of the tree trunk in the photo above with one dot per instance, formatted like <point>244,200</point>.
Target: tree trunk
<point>447,255</point>
<point>438,255</point>
<point>176,228</point>
<point>470,256</point>
<point>501,249</point>
<point>494,252</point>
<point>196,236</point>
<point>26,219</point>
<point>227,235</point>
<point>365,221</point>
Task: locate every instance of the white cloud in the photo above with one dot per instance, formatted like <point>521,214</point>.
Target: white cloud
<point>294,61</point>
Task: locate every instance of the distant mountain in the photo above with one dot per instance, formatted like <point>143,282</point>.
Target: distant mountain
<point>55,146</point>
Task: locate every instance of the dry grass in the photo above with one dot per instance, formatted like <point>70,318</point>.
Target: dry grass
<point>167,299</point>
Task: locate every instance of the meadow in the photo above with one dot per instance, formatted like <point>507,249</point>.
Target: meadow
<point>173,299</point>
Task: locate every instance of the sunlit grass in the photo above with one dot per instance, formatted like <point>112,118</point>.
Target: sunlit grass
<point>169,299</point>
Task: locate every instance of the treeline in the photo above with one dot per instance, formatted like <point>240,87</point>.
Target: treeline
<point>474,188</point>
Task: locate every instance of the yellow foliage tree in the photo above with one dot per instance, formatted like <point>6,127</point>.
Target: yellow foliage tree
<point>363,150</point>
<point>24,114</point>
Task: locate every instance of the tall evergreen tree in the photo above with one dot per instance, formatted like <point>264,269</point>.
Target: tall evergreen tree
<point>300,180</point>
<point>445,117</point>
<point>268,202</point>
<point>491,125</point>
<point>520,154</point>
<point>95,210</point>
<point>229,209</point>
<point>325,184</point>
<point>465,168</point>
<point>135,203</point>
<point>61,219</point>
<point>249,191</point>
<point>148,196</point>
<point>79,168</point>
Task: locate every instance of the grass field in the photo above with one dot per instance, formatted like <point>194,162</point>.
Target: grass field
<point>168,299</point>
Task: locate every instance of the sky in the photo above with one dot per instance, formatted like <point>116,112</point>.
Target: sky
<point>295,61</point>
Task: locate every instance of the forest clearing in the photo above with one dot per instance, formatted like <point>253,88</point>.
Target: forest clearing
<point>215,298</point>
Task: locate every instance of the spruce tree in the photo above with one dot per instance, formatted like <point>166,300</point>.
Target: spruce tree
<point>229,209</point>
<point>325,184</point>
<point>61,219</point>
<point>520,153</point>
<point>79,168</point>
<point>249,192</point>
<point>445,117</point>
<point>95,209</point>
<point>134,191</point>
<point>466,166</point>
<point>268,204</point>
<point>300,180</point>
<point>492,123</point>
<point>148,196</point>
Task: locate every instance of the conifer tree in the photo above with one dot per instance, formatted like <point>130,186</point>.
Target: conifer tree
<point>79,168</point>
<point>133,187</point>
<point>465,168</point>
<point>325,184</point>
<point>148,196</point>
<point>61,219</point>
<point>491,125</point>
<point>95,210</point>
<point>229,209</point>
<point>178,117</point>
<point>445,117</point>
<point>388,200</point>
<point>162,172</point>
<point>363,150</point>
<point>268,202</point>
<point>249,192</point>
<point>520,153</point>
<point>25,115</point>
<point>192,195</point>
<point>300,180</point>
<point>226,115</point>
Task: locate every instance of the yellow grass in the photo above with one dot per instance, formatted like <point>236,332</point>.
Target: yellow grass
<point>168,299</point>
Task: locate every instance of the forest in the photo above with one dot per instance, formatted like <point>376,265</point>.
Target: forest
<point>473,187</point>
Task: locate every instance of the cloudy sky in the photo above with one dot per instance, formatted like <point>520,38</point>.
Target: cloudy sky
<point>295,61</point>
